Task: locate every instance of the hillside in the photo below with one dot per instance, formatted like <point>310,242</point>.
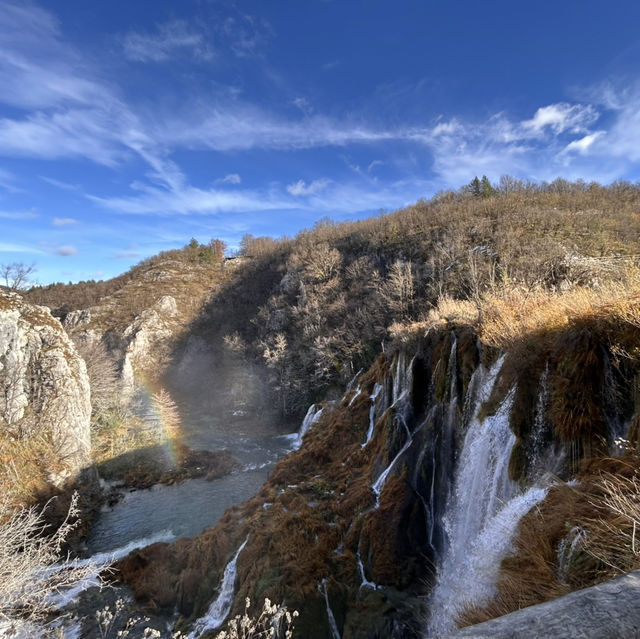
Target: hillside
<point>316,309</point>
<point>484,342</point>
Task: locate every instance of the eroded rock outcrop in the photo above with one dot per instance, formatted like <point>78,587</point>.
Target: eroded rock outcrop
<point>607,610</point>
<point>44,387</point>
<point>147,338</point>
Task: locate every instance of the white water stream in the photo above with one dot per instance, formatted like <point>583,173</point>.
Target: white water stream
<point>482,513</point>
<point>402,381</point>
<point>333,626</point>
<point>221,606</point>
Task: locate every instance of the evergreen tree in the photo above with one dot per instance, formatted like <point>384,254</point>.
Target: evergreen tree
<point>475,188</point>
<point>485,186</point>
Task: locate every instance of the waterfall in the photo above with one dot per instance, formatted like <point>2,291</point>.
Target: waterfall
<point>372,412</point>
<point>378,485</point>
<point>402,380</point>
<point>96,564</point>
<point>312,416</point>
<point>567,550</point>
<point>335,634</point>
<point>364,582</point>
<point>544,458</point>
<point>399,377</point>
<point>481,485</point>
<point>355,395</point>
<point>482,513</point>
<point>221,606</point>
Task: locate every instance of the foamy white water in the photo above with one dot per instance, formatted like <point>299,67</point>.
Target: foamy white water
<point>481,489</point>
<point>221,607</point>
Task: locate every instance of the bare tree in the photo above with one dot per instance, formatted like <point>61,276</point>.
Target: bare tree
<point>103,376</point>
<point>31,576</point>
<point>17,275</point>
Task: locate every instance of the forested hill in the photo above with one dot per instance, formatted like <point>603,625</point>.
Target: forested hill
<point>316,308</point>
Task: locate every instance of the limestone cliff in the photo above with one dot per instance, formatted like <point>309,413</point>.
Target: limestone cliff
<point>44,390</point>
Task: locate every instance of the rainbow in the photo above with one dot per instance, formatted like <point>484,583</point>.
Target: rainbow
<point>162,413</point>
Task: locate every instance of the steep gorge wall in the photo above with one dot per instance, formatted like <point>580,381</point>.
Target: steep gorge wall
<point>44,392</point>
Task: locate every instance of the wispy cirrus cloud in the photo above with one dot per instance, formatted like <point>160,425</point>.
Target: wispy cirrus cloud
<point>186,200</point>
<point>301,188</point>
<point>14,247</point>
<point>583,144</point>
<point>230,178</point>
<point>68,111</point>
<point>8,182</point>
<point>562,117</point>
<point>65,186</point>
<point>18,215</point>
<point>169,39</point>
<point>64,221</point>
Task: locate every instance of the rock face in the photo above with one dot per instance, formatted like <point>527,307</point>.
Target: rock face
<point>146,339</point>
<point>600,612</point>
<point>44,387</point>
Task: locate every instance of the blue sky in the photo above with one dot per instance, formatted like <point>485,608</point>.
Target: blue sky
<point>127,128</point>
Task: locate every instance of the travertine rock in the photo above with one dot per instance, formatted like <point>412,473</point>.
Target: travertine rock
<point>43,381</point>
<point>606,611</point>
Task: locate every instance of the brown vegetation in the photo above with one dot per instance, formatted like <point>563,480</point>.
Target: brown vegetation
<point>327,301</point>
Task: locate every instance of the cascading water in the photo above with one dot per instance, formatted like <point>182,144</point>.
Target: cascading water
<point>372,412</point>
<point>333,626</point>
<point>313,415</point>
<point>378,485</point>
<point>402,381</point>
<point>437,455</point>
<point>485,507</point>
<point>364,582</point>
<point>567,550</point>
<point>482,512</point>
<point>221,607</point>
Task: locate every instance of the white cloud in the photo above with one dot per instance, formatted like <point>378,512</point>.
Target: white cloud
<point>9,247</point>
<point>304,105</point>
<point>64,221</point>
<point>301,188</point>
<point>65,186</point>
<point>231,178</point>
<point>188,199</point>
<point>583,144</point>
<point>170,39</point>
<point>8,182</point>
<point>244,34</point>
<point>561,117</point>
<point>622,138</point>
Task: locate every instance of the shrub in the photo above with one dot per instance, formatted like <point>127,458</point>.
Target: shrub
<point>30,575</point>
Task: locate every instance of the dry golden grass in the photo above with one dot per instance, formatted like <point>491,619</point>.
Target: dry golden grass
<point>511,314</point>
<point>515,313</point>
